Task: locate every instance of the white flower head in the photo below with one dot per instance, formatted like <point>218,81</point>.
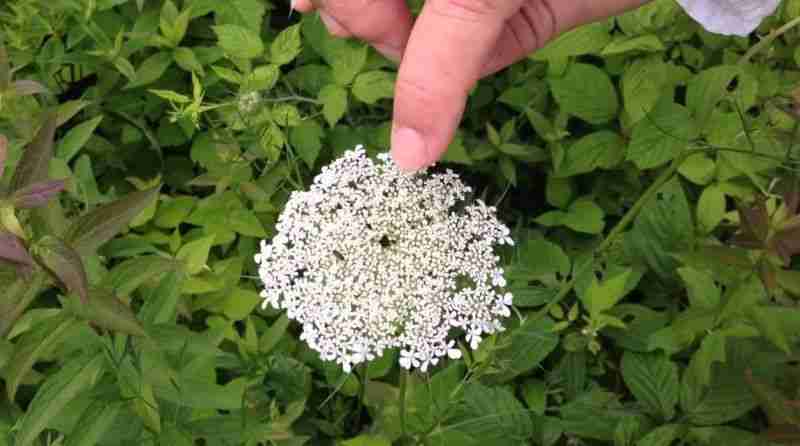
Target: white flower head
<point>371,258</point>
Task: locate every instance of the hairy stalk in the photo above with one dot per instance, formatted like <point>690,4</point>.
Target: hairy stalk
<point>626,220</point>
<point>755,49</point>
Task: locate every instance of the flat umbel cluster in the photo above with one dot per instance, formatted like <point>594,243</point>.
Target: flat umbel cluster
<point>371,258</point>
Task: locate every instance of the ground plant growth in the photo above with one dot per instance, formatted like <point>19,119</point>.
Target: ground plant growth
<point>645,180</point>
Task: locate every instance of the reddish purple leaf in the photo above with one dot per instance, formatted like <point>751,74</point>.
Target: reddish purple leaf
<point>35,161</point>
<point>28,88</point>
<point>64,264</point>
<point>13,250</point>
<point>37,194</point>
<point>104,222</point>
<point>755,220</point>
<point>3,153</point>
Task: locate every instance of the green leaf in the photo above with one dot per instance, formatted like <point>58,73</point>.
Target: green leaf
<point>663,228</point>
<point>239,42</point>
<point>130,274</point>
<point>76,138</point>
<point>707,89</point>
<point>45,337</point>
<point>273,335</point>
<point>263,78</point>
<point>64,263</point>
<point>334,103</point>
<point>32,167</point>
<point>530,344</point>
<point>107,311</point>
<point>600,297</point>
<point>700,285</point>
<point>195,254</point>
<point>739,298</point>
<point>306,139</point>
<point>367,440</point>
<point>663,435</point>
<point>661,135</point>
<point>587,39</point>
<point>76,376</point>
<point>187,60</point>
<point>161,302</point>
<point>711,208</point>
<point>286,46</point>
<point>490,415</point>
<point>602,149</point>
<point>94,423</point>
<point>586,91</point>
<point>583,215</point>
<point>726,399</point>
<point>151,69</point>
<point>371,86</point>
<point>643,83</point>
<point>172,212</point>
<point>245,222</point>
<point>98,226</point>
<point>653,380</point>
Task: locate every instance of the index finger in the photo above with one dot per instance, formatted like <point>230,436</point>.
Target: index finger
<point>446,52</point>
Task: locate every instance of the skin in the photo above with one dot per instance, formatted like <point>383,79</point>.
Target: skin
<point>450,46</point>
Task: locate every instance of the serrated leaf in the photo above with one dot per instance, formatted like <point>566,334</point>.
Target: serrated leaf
<point>151,69</point>
<point>490,415</point>
<point>95,422</point>
<point>195,254</point>
<point>98,226</point>
<point>661,135</point>
<point>653,380</point>
<point>530,344</point>
<point>35,161</point>
<point>586,91</point>
<point>64,263</point>
<point>75,377</point>
<point>286,46</point>
<point>372,86</point>
<point>334,103</point>
<point>306,138</point>
<point>31,347</point>
<point>602,149</point>
<point>239,42</point>
<point>707,89</point>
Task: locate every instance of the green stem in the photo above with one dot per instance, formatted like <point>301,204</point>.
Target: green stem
<point>626,220</point>
<point>768,40</point>
<point>403,385</point>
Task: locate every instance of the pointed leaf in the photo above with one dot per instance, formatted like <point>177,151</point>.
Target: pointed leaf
<point>64,263</point>
<point>107,311</point>
<point>75,377</point>
<point>13,250</point>
<point>35,159</point>
<point>37,194</point>
<point>653,380</point>
<point>101,224</point>
<point>31,347</point>
<point>94,423</point>
<point>195,254</point>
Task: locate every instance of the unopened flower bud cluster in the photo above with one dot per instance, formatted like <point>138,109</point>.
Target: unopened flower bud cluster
<point>371,258</point>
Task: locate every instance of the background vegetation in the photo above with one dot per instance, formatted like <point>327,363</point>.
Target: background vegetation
<point>648,168</point>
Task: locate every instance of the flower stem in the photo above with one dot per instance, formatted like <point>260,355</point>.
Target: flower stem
<point>403,386</point>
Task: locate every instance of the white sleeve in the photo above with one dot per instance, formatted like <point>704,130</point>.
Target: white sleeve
<point>729,17</point>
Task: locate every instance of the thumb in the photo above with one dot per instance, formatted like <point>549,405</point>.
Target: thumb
<point>448,48</point>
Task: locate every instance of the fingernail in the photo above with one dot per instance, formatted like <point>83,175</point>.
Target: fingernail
<point>409,149</point>
<point>390,52</point>
<point>333,25</point>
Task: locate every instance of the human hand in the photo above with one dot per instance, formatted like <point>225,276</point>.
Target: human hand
<point>452,44</point>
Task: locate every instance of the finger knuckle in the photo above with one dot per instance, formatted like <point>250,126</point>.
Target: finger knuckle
<point>467,10</point>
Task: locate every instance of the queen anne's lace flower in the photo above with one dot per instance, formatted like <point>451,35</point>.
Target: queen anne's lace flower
<point>371,258</point>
